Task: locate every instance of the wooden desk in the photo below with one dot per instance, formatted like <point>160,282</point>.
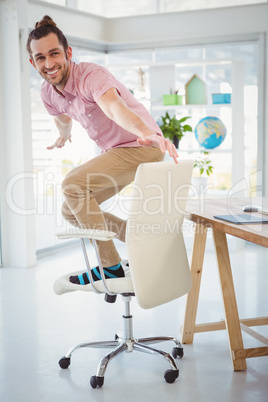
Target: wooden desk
<point>201,212</point>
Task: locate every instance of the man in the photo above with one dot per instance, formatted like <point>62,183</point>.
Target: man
<point>113,118</point>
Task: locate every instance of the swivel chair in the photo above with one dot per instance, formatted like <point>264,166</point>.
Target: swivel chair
<point>158,266</point>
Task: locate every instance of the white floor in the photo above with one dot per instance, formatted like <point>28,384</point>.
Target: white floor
<point>37,328</point>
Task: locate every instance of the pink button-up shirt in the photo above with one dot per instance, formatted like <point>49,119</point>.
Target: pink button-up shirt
<point>87,82</point>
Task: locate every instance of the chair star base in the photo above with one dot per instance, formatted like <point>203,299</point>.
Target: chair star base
<point>126,342</point>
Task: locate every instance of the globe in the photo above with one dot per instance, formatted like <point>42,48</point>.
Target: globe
<point>210,132</point>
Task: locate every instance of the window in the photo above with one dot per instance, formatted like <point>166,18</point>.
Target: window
<point>215,64</point>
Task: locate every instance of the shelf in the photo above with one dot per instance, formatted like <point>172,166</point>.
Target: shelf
<point>145,64</point>
<point>178,107</point>
<point>196,150</point>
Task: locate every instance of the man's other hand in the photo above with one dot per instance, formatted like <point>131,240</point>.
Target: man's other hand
<point>59,143</point>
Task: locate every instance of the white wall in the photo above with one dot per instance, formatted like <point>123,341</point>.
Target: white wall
<point>190,27</point>
<point>184,28</point>
<point>73,23</point>
<point>17,227</point>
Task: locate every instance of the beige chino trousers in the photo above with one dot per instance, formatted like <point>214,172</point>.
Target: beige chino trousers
<point>94,182</point>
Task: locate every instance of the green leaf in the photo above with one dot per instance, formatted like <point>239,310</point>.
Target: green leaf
<point>183,119</point>
<point>186,127</point>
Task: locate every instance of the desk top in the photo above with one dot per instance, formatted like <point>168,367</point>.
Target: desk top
<point>202,211</point>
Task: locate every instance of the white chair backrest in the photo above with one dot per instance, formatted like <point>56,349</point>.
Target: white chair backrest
<point>155,245</point>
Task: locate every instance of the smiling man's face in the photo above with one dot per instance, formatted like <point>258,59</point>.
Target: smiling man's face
<point>51,61</point>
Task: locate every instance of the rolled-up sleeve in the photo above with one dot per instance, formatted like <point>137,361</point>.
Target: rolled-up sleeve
<point>97,83</point>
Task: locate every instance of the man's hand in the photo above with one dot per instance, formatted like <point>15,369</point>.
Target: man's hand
<point>64,125</point>
<point>59,143</point>
<point>164,144</point>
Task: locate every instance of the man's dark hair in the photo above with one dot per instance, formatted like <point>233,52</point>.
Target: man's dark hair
<point>44,28</point>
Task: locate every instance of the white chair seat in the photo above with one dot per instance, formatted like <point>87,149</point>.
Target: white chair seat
<point>118,285</point>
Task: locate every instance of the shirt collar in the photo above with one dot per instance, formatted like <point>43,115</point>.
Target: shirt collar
<point>69,89</point>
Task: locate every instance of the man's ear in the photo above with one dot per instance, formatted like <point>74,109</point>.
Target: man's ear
<point>69,53</point>
<point>32,63</point>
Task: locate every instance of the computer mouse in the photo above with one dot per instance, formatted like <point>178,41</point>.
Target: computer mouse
<point>251,208</point>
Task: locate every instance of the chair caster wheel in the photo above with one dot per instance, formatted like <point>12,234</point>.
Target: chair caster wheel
<point>96,381</point>
<point>65,362</point>
<point>171,375</point>
<point>177,352</point>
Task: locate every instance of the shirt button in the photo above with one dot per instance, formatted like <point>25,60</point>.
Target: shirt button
<point>97,141</point>
<point>89,115</point>
<point>70,102</point>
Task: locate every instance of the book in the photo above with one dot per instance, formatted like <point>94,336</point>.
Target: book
<point>241,219</point>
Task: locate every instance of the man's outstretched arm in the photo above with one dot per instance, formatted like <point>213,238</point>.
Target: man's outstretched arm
<point>115,108</point>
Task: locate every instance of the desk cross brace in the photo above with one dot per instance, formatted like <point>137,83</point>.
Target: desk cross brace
<point>232,322</point>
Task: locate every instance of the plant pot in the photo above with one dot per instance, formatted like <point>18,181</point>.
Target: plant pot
<point>199,185</point>
<point>172,99</point>
<point>176,142</point>
<point>221,98</point>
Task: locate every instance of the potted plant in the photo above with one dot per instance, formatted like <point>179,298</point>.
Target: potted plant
<point>204,168</point>
<point>203,164</point>
<point>173,128</point>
